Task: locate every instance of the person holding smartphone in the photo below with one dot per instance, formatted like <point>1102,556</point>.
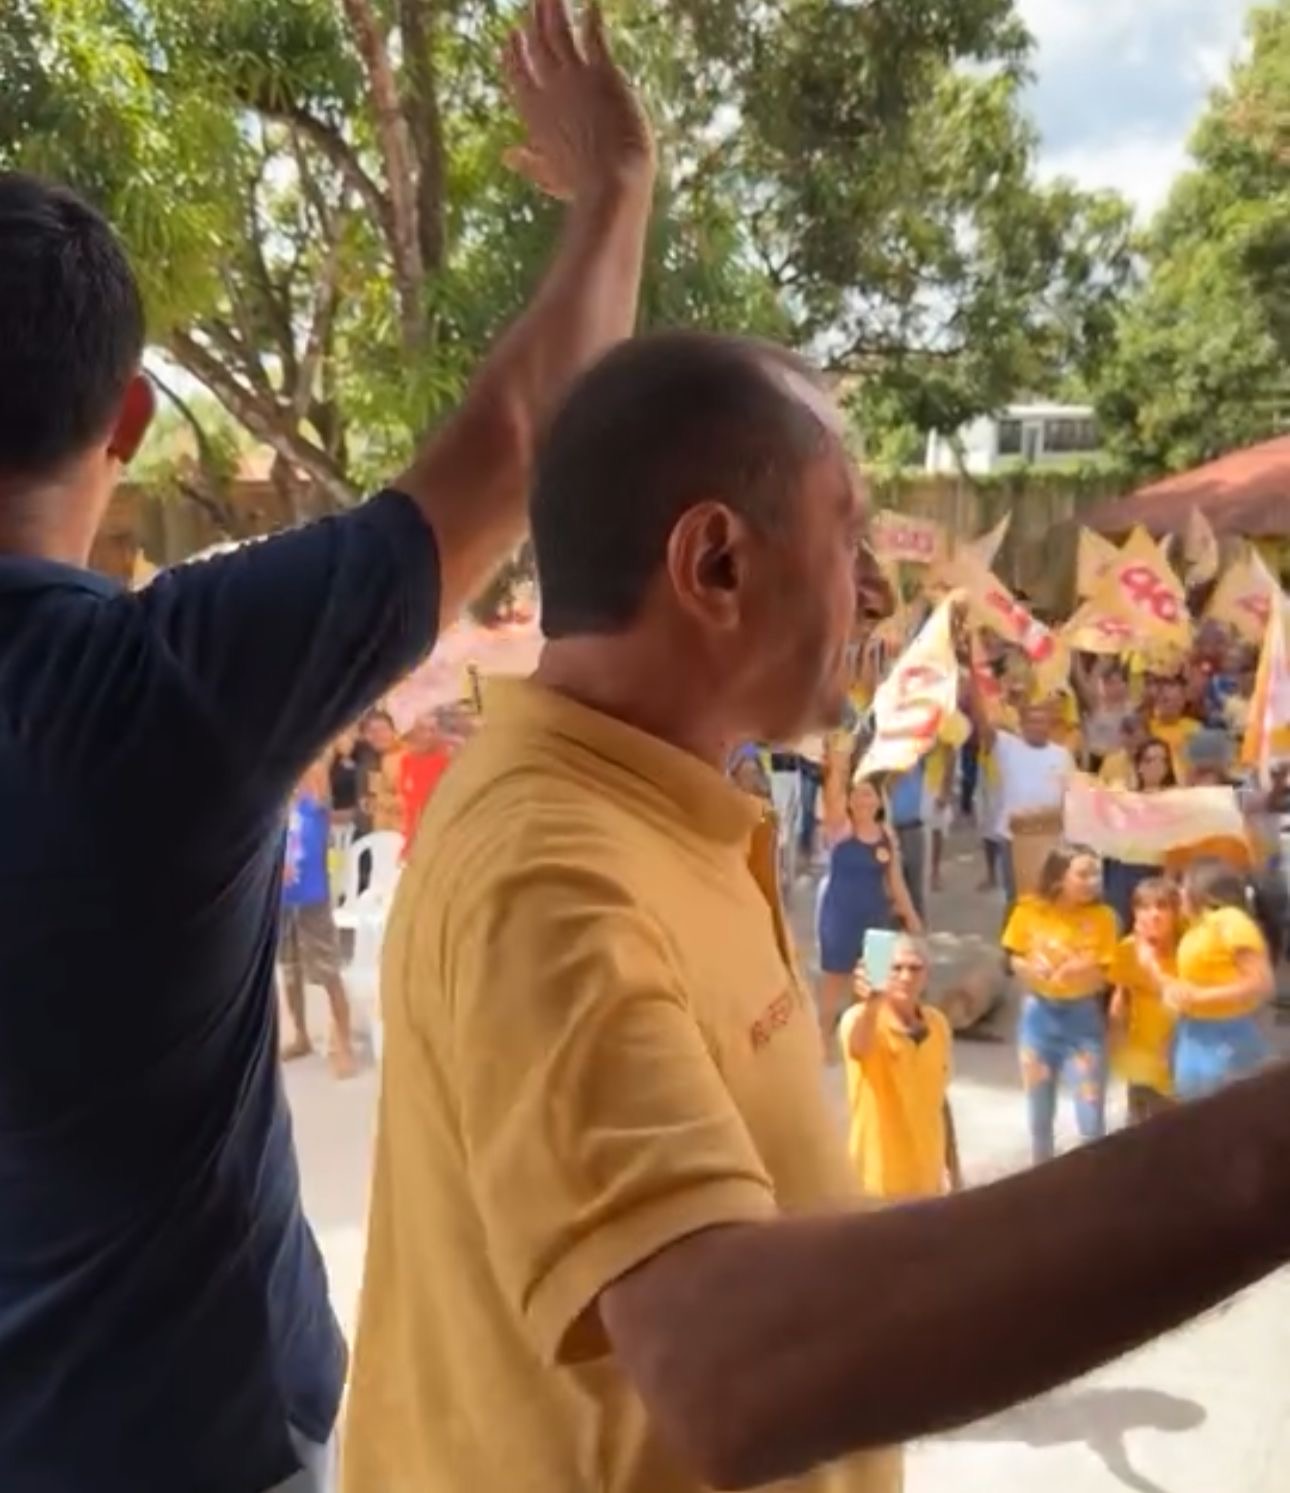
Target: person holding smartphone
<point>897,1052</point>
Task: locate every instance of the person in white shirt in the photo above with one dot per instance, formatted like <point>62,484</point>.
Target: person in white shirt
<point>1032,770</point>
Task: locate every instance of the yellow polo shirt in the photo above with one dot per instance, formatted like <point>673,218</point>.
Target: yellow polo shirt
<point>597,1041</point>
<point>897,1095</point>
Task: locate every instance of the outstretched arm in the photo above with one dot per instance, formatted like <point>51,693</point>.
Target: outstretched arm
<point>589,143</point>
<point>754,1384</point>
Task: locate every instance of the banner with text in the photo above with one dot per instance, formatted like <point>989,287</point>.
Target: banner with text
<point>901,538</point>
<point>1142,828</point>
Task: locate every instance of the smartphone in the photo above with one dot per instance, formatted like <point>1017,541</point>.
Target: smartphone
<point>879,951</point>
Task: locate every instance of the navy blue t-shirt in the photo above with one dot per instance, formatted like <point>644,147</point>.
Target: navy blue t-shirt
<point>164,1314</point>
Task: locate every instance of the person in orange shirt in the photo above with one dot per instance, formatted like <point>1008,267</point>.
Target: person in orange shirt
<point>1062,943</point>
<point>420,767</point>
<point>898,1061</point>
<point>1142,1024</point>
<point>1224,977</point>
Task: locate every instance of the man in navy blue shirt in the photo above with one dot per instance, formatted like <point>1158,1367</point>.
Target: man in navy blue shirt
<point>164,1318</point>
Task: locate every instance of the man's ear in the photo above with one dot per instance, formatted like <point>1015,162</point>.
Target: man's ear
<point>133,420</point>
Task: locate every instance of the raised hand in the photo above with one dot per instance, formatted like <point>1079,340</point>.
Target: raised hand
<point>586,127</point>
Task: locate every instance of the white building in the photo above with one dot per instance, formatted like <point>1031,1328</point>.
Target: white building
<point>1023,434</point>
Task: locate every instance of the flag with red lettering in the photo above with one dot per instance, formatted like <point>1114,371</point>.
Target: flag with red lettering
<point>1200,548</point>
<point>918,699</point>
<point>1244,597</point>
<point>1142,828</point>
<point>992,605</point>
<point>1142,590</point>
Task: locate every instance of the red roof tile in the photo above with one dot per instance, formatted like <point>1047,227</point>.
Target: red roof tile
<point>1246,492</point>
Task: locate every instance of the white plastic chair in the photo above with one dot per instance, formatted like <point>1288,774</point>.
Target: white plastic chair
<point>364,914</point>
<point>786,794</point>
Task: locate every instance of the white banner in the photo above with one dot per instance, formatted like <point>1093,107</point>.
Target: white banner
<point>1144,827</point>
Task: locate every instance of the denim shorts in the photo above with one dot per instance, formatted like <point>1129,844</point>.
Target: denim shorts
<point>1211,1054</point>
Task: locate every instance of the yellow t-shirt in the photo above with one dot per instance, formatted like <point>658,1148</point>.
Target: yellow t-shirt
<point>1143,1054</point>
<point>1207,959</point>
<point>597,1041</point>
<point>897,1095</point>
<point>1176,735</point>
<point>1117,770</point>
<point>1048,933</point>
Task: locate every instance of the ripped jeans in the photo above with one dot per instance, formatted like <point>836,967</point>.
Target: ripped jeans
<point>1057,1037</point>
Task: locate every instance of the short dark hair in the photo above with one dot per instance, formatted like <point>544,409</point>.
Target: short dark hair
<point>1210,883</point>
<point>660,424</point>
<point>71,326</point>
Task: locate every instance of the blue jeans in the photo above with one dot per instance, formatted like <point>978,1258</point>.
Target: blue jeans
<point>1054,1036</point>
<point>1208,1055</point>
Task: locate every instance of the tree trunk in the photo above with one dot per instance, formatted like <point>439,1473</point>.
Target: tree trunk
<point>425,122</point>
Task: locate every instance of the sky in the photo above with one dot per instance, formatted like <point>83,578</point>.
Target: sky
<point>1120,83</point>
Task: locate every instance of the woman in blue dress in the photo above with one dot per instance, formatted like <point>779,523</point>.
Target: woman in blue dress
<point>865,887</point>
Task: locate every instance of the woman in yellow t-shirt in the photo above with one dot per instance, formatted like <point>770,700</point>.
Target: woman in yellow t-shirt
<point>1142,1024</point>
<point>1224,979</point>
<point>1062,943</point>
<point>897,1055</point>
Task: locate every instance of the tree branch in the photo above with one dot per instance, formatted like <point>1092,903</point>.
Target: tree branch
<point>392,138</point>
<point>210,500</point>
<point>270,424</point>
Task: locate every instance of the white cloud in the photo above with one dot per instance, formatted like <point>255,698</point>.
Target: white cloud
<point>1121,83</point>
<point>1142,169</point>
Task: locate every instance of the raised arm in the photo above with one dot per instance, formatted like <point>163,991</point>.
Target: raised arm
<point>754,1385</point>
<point>588,143</point>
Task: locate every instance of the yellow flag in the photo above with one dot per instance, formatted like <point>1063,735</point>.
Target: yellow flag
<point>1093,630</point>
<point>1200,549</point>
<point>1244,597</point>
<point>1267,735</point>
<point>986,548</point>
<point>917,700</point>
<point>1145,594</point>
<point>992,605</point>
<point>1096,556</point>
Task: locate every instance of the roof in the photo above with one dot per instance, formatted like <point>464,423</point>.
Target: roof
<point>1246,492</point>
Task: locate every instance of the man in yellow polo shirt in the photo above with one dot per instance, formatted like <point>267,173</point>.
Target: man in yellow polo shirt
<point>615,1246</point>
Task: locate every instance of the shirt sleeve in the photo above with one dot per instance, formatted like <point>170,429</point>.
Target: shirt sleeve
<point>597,1127</point>
<point>286,641</point>
<point>1017,933</point>
<point>1240,933</point>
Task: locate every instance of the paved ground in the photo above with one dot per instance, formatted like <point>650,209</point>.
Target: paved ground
<point>1205,1411</point>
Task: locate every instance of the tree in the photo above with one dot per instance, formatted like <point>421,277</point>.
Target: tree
<point>313,191</point>
<point>1202,349</point>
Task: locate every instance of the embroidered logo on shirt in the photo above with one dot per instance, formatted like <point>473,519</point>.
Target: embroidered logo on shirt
<point>774,1019</point>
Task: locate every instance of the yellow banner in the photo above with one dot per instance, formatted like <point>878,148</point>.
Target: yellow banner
<point>1143,828</point>
<point>1200,549</point>
<point>899,538</point>
<point>1096,557</point>
<point>1244,598</point>
<point>917,700</point>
